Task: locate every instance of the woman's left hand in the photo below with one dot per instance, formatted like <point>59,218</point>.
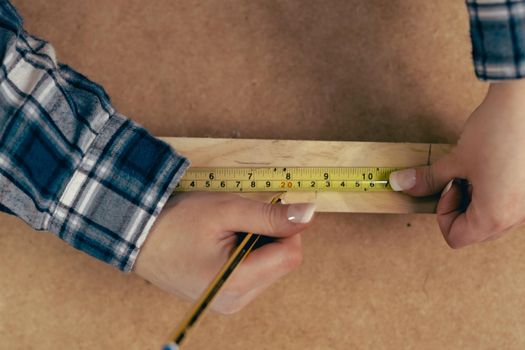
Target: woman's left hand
<point>490,156</point>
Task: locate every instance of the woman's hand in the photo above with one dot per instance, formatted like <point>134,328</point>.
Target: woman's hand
<point>196,232</point>
<point>490,156</point>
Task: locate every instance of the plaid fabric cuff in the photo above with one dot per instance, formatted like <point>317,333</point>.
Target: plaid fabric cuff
<point>69,163</point>
<point>116,193</point>
<point>497,30</point>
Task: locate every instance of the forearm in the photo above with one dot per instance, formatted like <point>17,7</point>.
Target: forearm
<point>509,90</point>
<point>69,163</point>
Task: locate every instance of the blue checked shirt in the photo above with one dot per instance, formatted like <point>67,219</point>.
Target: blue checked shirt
<point>70,164</point>
<point>497,29</point>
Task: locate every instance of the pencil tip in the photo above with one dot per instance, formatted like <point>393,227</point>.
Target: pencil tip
<point>171,346</point>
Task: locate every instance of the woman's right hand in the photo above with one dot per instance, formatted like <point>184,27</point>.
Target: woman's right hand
<point>196,232</point>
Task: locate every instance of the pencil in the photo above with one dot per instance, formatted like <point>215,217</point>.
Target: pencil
<point>239,254</point>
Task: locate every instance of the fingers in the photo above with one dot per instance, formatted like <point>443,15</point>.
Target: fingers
<point>458,217</point>
<point>264,265</point>
<point>449,212</point>
<point>270,262</point>
<point>426,180</point>
<point>230,306</point>
<point>275,220</point>
<point>261,268</point>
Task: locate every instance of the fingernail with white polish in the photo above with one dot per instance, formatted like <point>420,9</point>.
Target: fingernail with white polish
<point>447,188</point>
<point>403,179</point>
<point>301,213</point>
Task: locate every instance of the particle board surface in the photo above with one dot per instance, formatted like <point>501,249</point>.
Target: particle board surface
<point>337,70</point>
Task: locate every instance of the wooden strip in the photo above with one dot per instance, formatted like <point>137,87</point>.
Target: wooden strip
<point>208,152</point>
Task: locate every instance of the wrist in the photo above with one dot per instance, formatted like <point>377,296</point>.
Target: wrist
<point>509,90</point>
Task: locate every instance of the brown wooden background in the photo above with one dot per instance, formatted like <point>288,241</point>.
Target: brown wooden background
<point>377,70</point>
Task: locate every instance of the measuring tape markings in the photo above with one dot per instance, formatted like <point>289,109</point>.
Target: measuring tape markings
<point>275,179</point>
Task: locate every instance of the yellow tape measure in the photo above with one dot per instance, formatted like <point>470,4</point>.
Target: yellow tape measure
<point>286,179</point>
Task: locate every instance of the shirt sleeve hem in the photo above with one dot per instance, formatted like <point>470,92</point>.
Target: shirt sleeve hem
<point>497,32</point>
<point>117,191</point>
<point>142,236</point>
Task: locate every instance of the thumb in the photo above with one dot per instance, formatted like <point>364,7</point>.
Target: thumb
<point>275,220</point>
<point>456,214</point>
<point>426,180</point>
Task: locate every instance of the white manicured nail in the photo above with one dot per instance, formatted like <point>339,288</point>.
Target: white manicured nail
<point>447,187</point>
<point>403,179</point>
<point>301,213</point>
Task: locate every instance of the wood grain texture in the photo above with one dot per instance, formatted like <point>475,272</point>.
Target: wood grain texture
<point>209,152</point>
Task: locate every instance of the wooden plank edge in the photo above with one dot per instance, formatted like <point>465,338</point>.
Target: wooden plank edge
<point>204,152</point>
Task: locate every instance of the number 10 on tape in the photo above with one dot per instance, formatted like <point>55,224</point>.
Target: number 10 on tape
<point>286,179</point>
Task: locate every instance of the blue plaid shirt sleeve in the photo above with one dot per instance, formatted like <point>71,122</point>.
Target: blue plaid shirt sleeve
<point>497,30</point>
<point>69,163</point>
